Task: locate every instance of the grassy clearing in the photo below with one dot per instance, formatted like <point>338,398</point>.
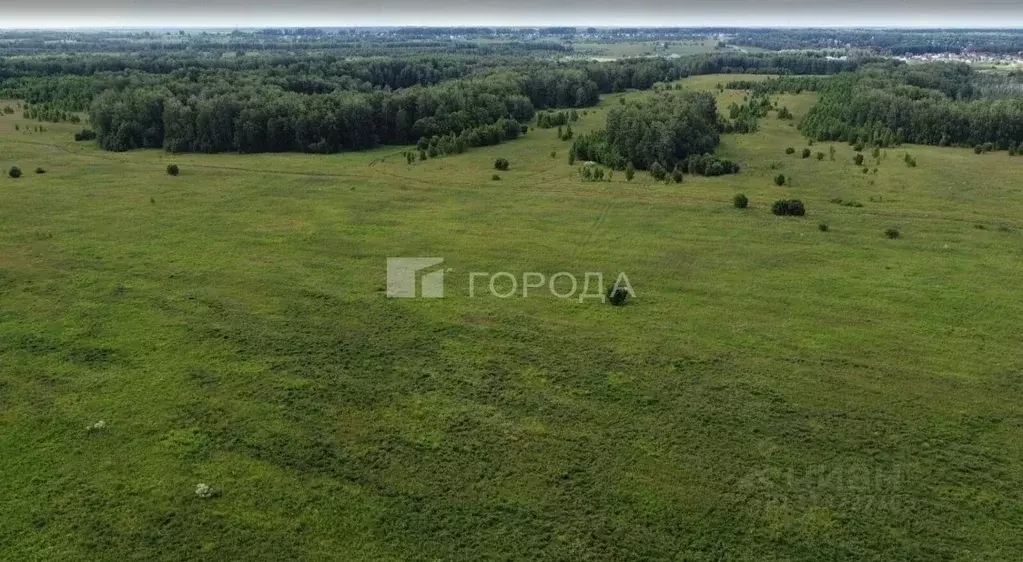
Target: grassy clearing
<point>774,393</point>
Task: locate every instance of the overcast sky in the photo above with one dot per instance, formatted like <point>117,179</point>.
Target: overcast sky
<point>284,13</point>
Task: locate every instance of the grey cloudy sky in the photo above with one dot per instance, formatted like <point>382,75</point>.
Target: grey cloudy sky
<point>244,13</point>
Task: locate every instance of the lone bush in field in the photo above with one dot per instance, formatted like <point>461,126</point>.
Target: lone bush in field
<point>617,296</point>
<point>779,180</point>
<point>495,177</point>
<point>978,149</point>
<point>790,150</point>
<point>740,201</point>
<point>806,153</point>
<point>15,172</point>
<point>892,233</point>
<point>858,159</point>
<point>823,227</point>
<point>501,164</point>
<point>40,171</point>
<point>820,156</point>
<point>172,170</point>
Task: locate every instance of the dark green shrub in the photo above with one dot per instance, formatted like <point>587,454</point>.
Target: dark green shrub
<point>14,172</point>
<point>790,150</point>
<point>823,227</point>
<point>892,233</point>
<point>858,159</point>
<point>806,153</point>
<point>978,149</point>
<point>858,147</point>
<point>172,169</point>
<point>788,207</point>
<point>740,201</point>
<point>820,156</point>
<point>501,164</point>
<point>630,171</point>
<point>676,175</point>
<point>85,135</point>
<point>495,177</point>
<point>617,296</point>
<point>40,171</point>
<point>779,180</point>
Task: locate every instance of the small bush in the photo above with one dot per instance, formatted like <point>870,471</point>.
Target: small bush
<point>658,171</point>
<point>978,149</point>
<point>858,147</point>
<point>823,227</point>
<point>806,153</point>
<point>779,180</point>
<point>858,159</point>
<point>740,201</point>
<point>501,164</point>
<point>790,150</point>
<point>172,170</point>
<point>820,156</point>
<point>988,147</point>
<point>14,172</point>
<point>85,135</point>
<point>495,177</point>
<point>554,154</point>
<point>40,171</point>
<point>617,296</point>
<point>892,233</point>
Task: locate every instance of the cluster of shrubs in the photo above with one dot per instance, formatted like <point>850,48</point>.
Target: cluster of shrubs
<point>660,174</point>
<point>565,133</point>
<point>85,135</point>
<point>592,173</point>
<point>839,201</point>
<point>788,207</point>
<point>549,119</point>
<point>707,165</point>
<point>15,172</point>
<point>484,135</point>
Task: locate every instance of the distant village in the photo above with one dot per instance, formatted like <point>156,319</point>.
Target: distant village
<point>1006,59</point>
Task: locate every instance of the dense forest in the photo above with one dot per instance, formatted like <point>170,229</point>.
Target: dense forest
<point>659,133</point>
<point>937,104</point>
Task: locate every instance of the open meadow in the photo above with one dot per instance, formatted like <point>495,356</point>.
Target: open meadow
<point>775,390</point>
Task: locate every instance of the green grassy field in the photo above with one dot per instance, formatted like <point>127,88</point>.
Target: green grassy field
<point>774,392</point>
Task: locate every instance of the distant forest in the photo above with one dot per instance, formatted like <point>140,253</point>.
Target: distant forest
<point>332,90</point>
